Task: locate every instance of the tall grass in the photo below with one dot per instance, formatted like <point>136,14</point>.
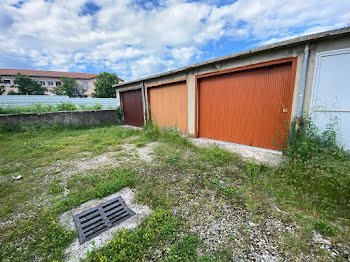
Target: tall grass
<point>318,166</point>
<point>38,108</point>
<point>152,132</point>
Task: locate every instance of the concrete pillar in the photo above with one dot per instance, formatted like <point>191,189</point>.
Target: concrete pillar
<point>191,103</point>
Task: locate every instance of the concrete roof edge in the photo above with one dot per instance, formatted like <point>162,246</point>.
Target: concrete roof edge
<point>289,42</point>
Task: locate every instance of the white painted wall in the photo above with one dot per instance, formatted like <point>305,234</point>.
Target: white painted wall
<point>23,100</point>
<point>331,92</point>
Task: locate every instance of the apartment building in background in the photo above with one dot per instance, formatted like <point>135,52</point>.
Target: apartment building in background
<point>49,79</point>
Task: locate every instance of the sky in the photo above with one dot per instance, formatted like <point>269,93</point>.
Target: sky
<point>135,38</point>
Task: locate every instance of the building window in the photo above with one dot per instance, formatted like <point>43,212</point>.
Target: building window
<point>58,83</point>
<point>7,82</point>
<point>78,91</point>
<point>50,83</point>
<point>43,82</point>
<point>85,84</point>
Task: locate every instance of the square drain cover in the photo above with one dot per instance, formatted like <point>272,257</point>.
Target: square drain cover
<point>92,222</point>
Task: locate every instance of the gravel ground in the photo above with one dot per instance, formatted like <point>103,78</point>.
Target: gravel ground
<point>262,235</point>
<point>247,237</point>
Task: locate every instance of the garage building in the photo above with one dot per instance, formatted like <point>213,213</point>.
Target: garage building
<point>251,97</point>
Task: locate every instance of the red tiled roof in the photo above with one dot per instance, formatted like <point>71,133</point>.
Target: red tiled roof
<point>41,73</point>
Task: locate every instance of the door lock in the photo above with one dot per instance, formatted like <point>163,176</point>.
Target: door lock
<point>285,110</point>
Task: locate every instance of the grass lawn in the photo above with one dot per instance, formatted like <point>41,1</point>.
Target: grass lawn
<point>207,204</point>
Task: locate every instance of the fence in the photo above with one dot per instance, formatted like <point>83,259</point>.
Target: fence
<point>23,100</point>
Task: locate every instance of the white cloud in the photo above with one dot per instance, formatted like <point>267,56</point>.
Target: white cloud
<point>136,40</point>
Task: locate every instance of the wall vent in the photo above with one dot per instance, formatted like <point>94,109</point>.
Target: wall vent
<point>94,221</point>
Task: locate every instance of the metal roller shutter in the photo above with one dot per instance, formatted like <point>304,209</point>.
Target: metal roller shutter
<point>168,105</point>
<point>133,107</point>
<point>250,107</point>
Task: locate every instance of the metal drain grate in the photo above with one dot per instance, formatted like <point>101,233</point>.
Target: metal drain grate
<point>98,219</point>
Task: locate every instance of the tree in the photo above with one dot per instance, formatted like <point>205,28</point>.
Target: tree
<point>2,87</point>
<point>28,86</point>
<point>104,85</point>
<point>12,93</point>
<point>69,87</point>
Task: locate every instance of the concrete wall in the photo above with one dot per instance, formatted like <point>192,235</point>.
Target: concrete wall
<point>74,118</point>
<point>297,50</point>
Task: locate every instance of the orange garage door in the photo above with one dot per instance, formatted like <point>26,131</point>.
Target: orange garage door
<point>168,105</point>
<point>250,107</point>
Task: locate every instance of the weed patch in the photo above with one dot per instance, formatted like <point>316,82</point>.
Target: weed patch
<point>167,135</point>
<point>325,228</point>
<point>138,244</point>
<point>318,167</point>
<point>38,238</point>
<point>82,189</point>
<point>217,156</point>
<point>184,250</point>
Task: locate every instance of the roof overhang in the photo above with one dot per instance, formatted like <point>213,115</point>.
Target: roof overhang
<point>291,42</point>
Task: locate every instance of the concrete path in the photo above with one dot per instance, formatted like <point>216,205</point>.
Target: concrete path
<point>132,127</point>
<point>260,155</point>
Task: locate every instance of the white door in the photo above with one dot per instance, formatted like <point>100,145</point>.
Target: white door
<point>331,92</point>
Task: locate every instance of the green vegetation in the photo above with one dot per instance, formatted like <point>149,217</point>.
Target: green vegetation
<point>192,193</point>
<point>37,233</point>
<point>27,86</point>
<point>2,87</point>
<point>104,85</point>
<point>38,108</point>
<point>319,168</point>
<point>217,156</point>
<point>132,245</point>
<point>69,87</point>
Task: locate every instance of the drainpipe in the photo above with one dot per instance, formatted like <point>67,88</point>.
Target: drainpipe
<point>144,100</point>
<point>303,81</point>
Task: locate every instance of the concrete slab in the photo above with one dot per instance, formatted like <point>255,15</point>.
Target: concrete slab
<point>261,155</point>
<point>132,127</point>
<point>76,252</point>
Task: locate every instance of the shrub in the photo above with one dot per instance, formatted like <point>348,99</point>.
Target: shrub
<point>120,113</point>
<point>307,141</point>
<point>317,166</point>
<point>12,93</point>
<point>96,106</point>
<point>37,108</point>
<point>66,106</point>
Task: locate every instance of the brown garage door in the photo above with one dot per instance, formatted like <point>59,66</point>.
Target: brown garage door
<point>168,105</point>
<point>133,107</point>
<point>250,107</point>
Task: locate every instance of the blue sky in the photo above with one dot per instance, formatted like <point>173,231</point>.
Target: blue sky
<point>135,38</point>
